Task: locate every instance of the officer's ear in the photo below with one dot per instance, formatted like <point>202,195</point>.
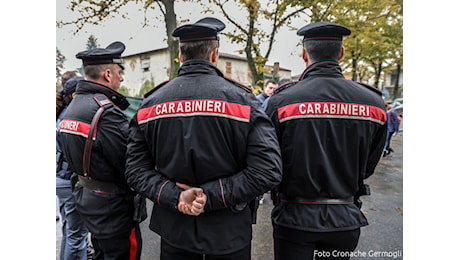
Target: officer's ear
<point>305,55</point>
<point>214,56</point>
<point>180,58</point>
<point>341,53</point>
<point>107,75</point>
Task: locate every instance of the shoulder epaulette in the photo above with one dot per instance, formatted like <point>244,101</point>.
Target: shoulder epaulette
<point>156,88</point>
<point>376,90</point>
<point>102,100</point>
<point>284,86</point>
<point>245,88</point>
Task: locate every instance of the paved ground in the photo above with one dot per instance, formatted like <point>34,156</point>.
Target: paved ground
<point>384,208</point>
<point>382,239</point>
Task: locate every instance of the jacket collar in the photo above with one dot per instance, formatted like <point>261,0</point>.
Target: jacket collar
<point>199,66</point>
<point>322,68</point>
<point>91,87</point>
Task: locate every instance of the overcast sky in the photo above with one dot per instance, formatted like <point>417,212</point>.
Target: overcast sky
<point>138,39</point>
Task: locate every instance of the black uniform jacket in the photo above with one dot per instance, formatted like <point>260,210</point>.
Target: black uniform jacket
<point>105,214</point>
<point>331,133</point>
<point>205,131</point>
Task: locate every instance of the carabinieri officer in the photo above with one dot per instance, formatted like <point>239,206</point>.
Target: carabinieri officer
<point>331,133</point>
<point>205,132</point>
<point>94,135</point>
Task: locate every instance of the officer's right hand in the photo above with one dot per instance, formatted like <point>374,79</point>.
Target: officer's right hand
<point>191,200</point>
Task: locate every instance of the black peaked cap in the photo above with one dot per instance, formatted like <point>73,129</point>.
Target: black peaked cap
<point>204,29</point>
<point>323,31</point>
<point>110,54</point>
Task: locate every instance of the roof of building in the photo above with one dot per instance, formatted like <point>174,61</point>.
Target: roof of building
<point>145,52</point>
<point>232,56</point>
<point>221,54</point>
<point>280,68</point>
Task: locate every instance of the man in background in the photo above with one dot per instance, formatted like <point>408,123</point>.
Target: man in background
<point>269,86</point>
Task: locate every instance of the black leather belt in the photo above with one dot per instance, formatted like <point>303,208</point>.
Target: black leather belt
<point>301,200</point>
<point>101,186</point>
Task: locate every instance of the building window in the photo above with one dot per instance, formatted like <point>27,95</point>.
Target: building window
<point>393,79</point>
<point>228,69</point>
<point>145,64</point>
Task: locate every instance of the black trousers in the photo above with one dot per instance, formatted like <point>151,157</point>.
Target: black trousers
<point>126,246</point>
<point>169,252</point>
<point>291,244</point>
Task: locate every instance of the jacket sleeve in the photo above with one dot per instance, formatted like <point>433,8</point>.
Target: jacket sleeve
<point>141,174</point>
<point>378,143</point>
<point>262,171</point>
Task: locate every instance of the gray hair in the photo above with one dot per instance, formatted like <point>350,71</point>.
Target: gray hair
<point>94,71</point>
<point>319,50</point>
<point>198,49</point>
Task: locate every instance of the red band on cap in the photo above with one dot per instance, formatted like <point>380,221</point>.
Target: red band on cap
<point>199,39</point>
<point>322,38</point>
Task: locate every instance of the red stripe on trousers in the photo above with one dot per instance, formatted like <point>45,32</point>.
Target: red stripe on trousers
<point>133,243</point>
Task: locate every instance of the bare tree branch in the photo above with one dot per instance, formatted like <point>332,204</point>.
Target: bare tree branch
<point>161,8</point>
<point>227,16</point>
<point>277,25</point>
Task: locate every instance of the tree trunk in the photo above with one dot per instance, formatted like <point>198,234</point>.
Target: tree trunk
<point>248,50</point>
<point>252,65</point>
<point>377,75</point>
<point>396,88</point>
<point>173,43</point>
<point>354,62</point>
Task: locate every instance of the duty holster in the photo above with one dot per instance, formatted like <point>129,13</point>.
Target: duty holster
<point>253,206</point>
<point>274,196</point>
<point>140,208</point>
<point>364,189</point>
<point>73,181</point>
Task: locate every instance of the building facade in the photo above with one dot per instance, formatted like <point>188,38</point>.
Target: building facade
<point>390,81</point>
<point>152,67</point>
<point>277,73</point>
